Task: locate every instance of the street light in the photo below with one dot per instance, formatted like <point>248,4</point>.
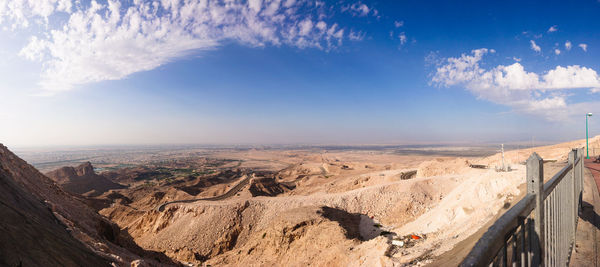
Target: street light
<point>587,145</point>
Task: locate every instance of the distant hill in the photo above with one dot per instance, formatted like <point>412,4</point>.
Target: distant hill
<point>82,180</point>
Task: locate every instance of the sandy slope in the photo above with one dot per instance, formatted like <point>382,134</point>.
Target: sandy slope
<point>211,228</point>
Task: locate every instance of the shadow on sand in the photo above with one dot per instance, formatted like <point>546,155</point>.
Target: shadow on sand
<point>121,238</point>
<point>356,225</point>
<point>589,215</point>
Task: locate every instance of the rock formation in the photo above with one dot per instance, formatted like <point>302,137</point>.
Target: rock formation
<point>82,180</point>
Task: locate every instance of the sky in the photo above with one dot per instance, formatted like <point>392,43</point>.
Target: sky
<point>76,73</point>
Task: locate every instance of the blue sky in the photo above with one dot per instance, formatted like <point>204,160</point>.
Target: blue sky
<point>134,72</point>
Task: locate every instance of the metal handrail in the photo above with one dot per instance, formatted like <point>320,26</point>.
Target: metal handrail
<point>540,227</point>
<point>485,249</point>
<point>551,184</point>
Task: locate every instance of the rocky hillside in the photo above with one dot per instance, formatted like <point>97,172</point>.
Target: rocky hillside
<point>30,234</point>
<point>42,225</point>
<point>82,180</point>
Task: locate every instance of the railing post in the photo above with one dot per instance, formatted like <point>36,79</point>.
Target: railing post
<point>581,174</point>
<point>535,185</point>
<point>575,198</point>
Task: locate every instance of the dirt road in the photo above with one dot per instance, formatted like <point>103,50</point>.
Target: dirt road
<point>234,190</point>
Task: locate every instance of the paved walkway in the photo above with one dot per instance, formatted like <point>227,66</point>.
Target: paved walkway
<point>586,251</point>
<point>595,170</point>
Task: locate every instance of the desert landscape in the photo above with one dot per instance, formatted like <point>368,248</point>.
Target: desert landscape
<point>298,133</point>
<point>263,206</point>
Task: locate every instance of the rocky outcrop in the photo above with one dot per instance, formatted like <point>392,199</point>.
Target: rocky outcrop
<point>268,187</point>
<point>83,180</point>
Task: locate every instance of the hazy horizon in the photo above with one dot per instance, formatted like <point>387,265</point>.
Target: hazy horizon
<point>432,144</point>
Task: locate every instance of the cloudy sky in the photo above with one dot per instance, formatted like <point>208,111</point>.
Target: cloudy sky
<point>75,72</point>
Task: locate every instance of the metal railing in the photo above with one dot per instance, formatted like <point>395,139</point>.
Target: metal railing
<point>540,229</point>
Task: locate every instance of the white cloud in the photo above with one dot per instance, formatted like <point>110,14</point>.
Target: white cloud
<point>553,28</point>
<point>321,25</point>
<point>358,9</point>
<point>398,24</point>
<point>402,38</point>
<point>34,50</point>
<point>110,41</point>
<point>568,77</point>
<point>289,3</point>
<point>557,51</point>
<point>568,45</point>
<point>513,86</point>
<point>305,27</point>
<point>376,13</point>
<point>356,36</point>
<point>595,90</point>
<point>584,47</point>
<point>18,12</point>
<point>362,9</point>
<point>255,5</point>
<point>534,46</point>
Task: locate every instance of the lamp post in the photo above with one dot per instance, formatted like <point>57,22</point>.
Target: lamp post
<point>587,145</point>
